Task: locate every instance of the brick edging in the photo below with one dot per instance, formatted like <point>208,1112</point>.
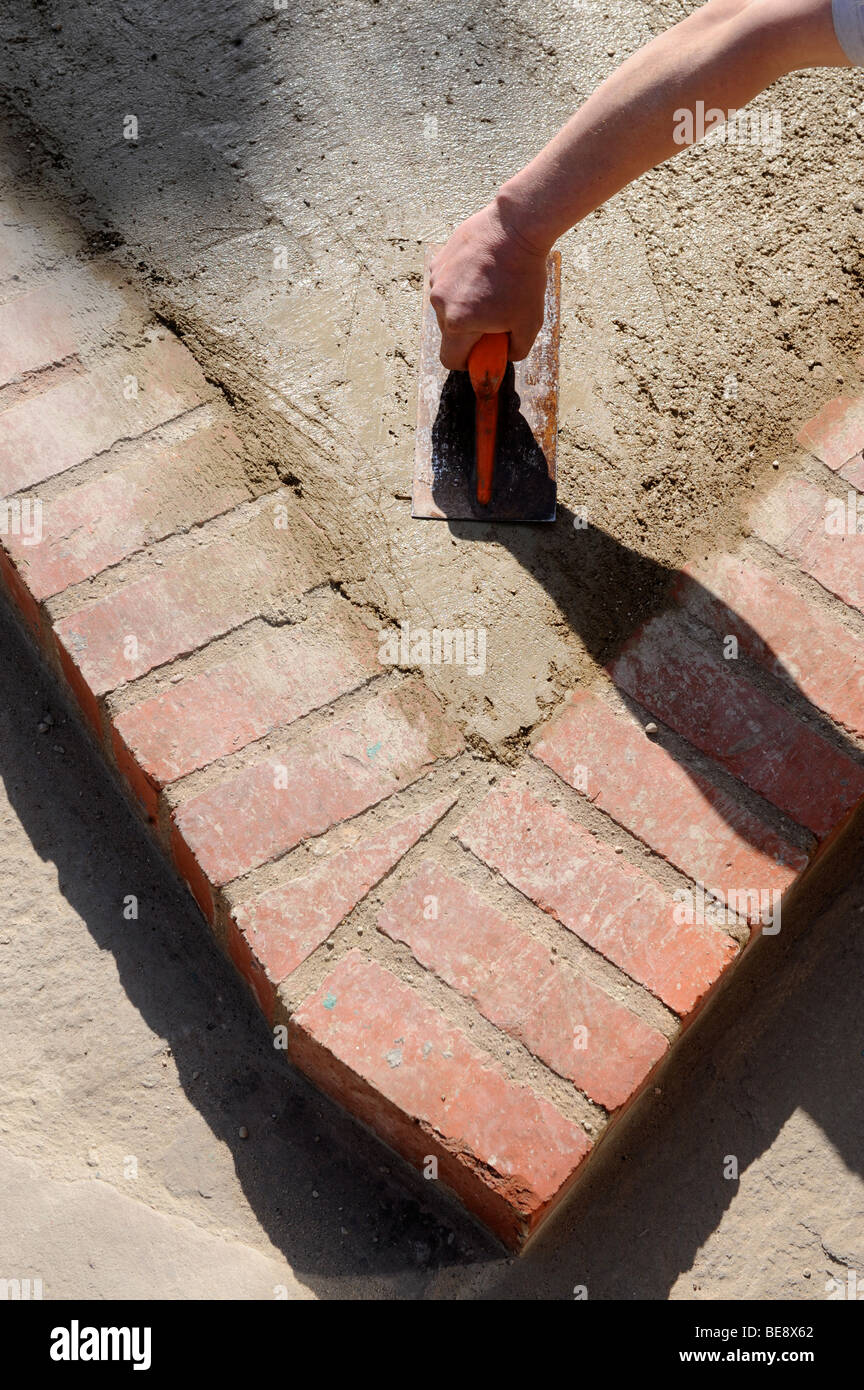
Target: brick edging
<point>487,976</point>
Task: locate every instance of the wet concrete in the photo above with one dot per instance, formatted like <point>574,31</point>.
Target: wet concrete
<point>288,168</point>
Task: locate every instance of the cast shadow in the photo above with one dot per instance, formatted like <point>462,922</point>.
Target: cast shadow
<point>523,488</point>
<point>606,592</point>
<point>397,1242</point>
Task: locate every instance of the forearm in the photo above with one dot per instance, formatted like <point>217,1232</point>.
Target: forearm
<point>723,54</point>
<point>491,275</point>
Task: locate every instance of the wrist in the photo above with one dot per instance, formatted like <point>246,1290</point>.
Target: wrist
<point>516,214</point>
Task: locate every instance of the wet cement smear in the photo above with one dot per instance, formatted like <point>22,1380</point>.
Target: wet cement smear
<point>522,489</point>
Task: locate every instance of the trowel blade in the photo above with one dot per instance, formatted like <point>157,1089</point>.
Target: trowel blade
<point>444,456</point>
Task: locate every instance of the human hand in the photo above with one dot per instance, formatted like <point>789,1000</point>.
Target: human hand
<point>487,279</point>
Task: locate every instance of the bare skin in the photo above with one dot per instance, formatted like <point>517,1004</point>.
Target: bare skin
<point>490,276</point>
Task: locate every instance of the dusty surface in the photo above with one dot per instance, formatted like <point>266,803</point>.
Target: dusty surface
<point>289,165</point>
<point>133,1040</point>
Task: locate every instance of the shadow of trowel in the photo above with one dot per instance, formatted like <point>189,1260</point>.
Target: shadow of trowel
<point>445,477</point>
<point>523,489</point>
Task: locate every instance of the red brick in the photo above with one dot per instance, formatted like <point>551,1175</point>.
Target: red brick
<point>210,589</point>
<point>853,472</point>
<point>754,738</point>
<point>606,902</point>
<point>45,434</point>
<point>422,1085</point>
<point>204,717</point>
<point>837,432</point>
<point>518,986</point>
<point>787,634</point>
<point>244,821</point>
<point>786,515</point>
<point>792,520</point>
<point>101,522</point>
<point>19,593</point>
<point>700,829</point>
<point>274,933</point>
<point>36,330</point>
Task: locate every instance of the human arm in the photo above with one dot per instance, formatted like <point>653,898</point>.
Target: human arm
<point>490,276</point>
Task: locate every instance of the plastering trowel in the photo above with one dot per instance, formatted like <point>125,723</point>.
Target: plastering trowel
<point>486,438</point>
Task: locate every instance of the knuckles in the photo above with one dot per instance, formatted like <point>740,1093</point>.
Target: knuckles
<point>452,318</point>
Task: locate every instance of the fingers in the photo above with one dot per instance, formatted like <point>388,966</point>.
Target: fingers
<point>469,300</point>
<point>455,349</point>
<point>522,340</point>
<point>457,339</point>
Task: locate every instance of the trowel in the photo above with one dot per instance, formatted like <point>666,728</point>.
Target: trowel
<point>486,438</point>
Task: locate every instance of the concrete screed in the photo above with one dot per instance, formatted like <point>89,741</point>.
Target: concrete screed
<point>288,167</point>
<point>285,246</point>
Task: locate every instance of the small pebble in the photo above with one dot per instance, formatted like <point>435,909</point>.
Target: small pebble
<point>650,728</point>
<point>619,849</point>
<point>243,1132</point>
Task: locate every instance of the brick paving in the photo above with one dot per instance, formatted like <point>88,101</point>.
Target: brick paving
<point>484,964</point>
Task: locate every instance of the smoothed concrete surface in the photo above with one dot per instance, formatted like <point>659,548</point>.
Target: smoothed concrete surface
<point>289,165</point>
<point>85,1239</point>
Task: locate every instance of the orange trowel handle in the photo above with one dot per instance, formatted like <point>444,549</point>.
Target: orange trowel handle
<point>487,363</point>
